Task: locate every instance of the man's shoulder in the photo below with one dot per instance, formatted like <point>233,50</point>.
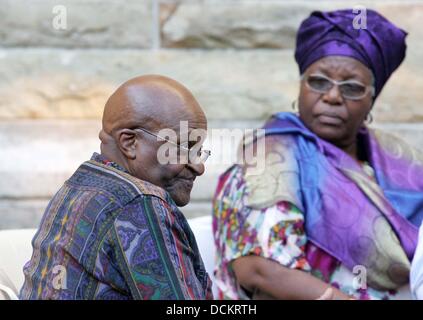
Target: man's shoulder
<point>121,185</point>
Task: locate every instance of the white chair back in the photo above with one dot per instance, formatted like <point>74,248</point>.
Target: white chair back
<point>15,251</point>
<point>202,229</point>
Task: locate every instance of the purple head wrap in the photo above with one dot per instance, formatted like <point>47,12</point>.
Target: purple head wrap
<point>381,46</point>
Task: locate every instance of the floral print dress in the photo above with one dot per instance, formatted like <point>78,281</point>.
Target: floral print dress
<point>275,232</point>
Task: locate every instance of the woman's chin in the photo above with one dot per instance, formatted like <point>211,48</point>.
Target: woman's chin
<point>329,133</point>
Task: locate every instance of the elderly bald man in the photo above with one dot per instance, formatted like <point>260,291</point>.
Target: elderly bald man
<point>114,231</point>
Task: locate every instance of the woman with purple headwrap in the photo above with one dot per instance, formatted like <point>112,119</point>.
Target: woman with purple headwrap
<point>338,205</point>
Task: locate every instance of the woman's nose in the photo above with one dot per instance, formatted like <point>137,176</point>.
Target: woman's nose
<point>333,96</point>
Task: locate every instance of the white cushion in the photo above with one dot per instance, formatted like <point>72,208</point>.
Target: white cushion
<point>202,229</point>
<point>15,250</point>
<point>416,276</point>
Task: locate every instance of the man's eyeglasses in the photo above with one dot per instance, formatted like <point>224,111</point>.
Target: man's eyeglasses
<point>194,153</point>
<point>350,89</point>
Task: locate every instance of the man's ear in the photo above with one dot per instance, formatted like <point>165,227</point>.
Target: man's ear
<point>127,143</point>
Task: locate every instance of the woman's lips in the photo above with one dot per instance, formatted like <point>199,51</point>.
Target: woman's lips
<point>331,120</point>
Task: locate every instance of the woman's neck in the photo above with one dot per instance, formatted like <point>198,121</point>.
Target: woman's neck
<point>352,151</point>
<point>356,151</point>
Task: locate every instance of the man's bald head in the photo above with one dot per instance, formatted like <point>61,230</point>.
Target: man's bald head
<point>152,101</point>
<point>142,107</point>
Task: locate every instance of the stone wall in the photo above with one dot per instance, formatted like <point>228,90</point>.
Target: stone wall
<point>235,55</point>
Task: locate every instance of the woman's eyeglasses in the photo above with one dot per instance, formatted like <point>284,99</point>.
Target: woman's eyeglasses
<point>194,153</point>
<point>350,89</point>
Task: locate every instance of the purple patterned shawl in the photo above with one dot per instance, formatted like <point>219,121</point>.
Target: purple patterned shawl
<point>349,215</point>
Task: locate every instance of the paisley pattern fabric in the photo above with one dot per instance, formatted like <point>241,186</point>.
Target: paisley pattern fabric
<point>108,235</point>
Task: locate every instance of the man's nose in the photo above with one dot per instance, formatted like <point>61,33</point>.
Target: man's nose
<point>197,168</point>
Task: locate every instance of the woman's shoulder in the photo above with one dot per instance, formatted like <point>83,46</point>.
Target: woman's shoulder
<point>269,176</point>
<point>264,147</point>
<point>396,145</point>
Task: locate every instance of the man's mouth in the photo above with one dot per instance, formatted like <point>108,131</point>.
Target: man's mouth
<point>188,183</point>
